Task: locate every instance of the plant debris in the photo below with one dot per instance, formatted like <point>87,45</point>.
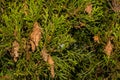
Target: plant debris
<point>108,48</point>
<point>88,9</point>
<point>96,39</point>
<point>15,48</point>
<point>35,36</point>
<point>46,57</point>
<point>116,5</point>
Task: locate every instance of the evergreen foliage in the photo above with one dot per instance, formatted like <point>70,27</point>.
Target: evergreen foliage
<point>75,34</point>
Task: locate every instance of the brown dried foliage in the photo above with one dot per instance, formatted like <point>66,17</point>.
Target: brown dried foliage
<point>116,5</point>
<point>96,39</point>
<point>51,62</point>
<point>46,57</point>
<point>15,48</point>
<point>35,36</point>
<point>88,8</point>
<point>108,48</point>
<point>6,77</point>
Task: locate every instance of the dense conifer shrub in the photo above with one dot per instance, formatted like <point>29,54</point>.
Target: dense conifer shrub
<point>59,40</point>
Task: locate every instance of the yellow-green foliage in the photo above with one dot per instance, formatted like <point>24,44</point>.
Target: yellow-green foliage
<point>68,29</point>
